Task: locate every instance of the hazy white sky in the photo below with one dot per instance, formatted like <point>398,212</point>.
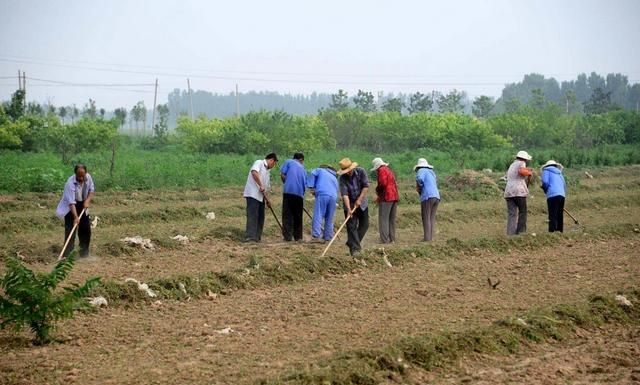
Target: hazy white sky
<point>298,46</point>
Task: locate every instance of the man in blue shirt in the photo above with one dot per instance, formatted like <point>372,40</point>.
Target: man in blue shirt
<point>294,177</point>
<point>323,184</point>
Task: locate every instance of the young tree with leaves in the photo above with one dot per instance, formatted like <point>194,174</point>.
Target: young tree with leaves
<point>393,105</point>
<point>482,106</point>
<point>419,102</point>
<point>365,101</point>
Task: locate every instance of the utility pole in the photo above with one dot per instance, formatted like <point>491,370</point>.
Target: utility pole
<point>24,88</point>
<point>237,102</point>
<point>153,115</point>
<point>190,97</point>
<point>19,80</point>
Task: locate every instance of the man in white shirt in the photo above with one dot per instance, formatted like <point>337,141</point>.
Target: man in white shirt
<point>255,193</point>
<point>76,197</point>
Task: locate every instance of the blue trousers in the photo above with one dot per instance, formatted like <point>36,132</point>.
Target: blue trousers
<point>323,211</point>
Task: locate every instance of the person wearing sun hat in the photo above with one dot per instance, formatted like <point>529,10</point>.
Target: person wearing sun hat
<point>516,193</point>
<point>554,187</point>
<point>354,185</point>
<point>427,188</point>
<point>387,200</point>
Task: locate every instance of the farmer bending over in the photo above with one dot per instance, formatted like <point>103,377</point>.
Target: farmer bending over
<point>77,196</point>
<point>354,185</point>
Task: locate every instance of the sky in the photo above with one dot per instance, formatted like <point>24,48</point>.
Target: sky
<point>113,51</point>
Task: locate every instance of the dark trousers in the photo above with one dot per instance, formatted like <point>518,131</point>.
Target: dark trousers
<point>357,227</point>
<point>428,210</point>
<point>517,215</point>
<point>84,232</point>
<point>255,220</point>
<point>555,206</point>
<point>292,206</point>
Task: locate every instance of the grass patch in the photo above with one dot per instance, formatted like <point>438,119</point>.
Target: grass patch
<point>429,351</point>
<point>260,273</point>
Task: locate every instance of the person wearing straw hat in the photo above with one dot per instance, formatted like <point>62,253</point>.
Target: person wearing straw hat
<point>516,193</point>
<point>255,193</point>
<point>354,185</point>
<point>76,197</point>
<point>554,187</point>
<point>427,187</point>
<point>294,178</point>
<point>387,200</point>
<point>323,185</point>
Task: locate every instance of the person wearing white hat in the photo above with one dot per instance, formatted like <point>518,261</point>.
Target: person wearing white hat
<point>554,187</point>
<point>387,200</point>
<point>516,192</point>
<point>354,185</point>
<point>427,187</point>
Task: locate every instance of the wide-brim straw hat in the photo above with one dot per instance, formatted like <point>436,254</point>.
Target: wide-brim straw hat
<point>346,165</point>
<point>552,163</point>
<point>422,162</point>
<point>377,163</point>
<point>524,155</point>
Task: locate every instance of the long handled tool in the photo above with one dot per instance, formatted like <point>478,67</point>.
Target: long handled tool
<point>339,230</point>
<point>71,235</point>
<point>572,217</point>
<point>272,212</point>
<point>310,217</point>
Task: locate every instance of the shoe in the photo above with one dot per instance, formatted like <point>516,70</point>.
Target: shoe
<point>317,240</point>
<point>356,253</point>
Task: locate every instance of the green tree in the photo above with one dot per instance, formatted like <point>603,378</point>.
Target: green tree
<point>75,113</point>
<point>32,299</point>
<point>90,110</point>
<point>86,133</point>
<point>339,101</point>
<point>599,102</point>
<point>62,112</point>
<point>419,102</point>
<point>451,102</point>
<point>365,101</point>
<point>15,108</point>
<point>482,106</point>
<point>393,105</point>
<point>120,115</point>
<point>571,102</point>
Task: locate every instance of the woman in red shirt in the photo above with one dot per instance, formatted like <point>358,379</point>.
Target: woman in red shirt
<point>387,200</point>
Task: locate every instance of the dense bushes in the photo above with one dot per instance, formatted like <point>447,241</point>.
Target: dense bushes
<point>549,126</point>
<point>256,132</point>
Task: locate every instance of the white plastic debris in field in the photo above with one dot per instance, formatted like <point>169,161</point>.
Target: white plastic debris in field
<point>94,222</point>
<point>226,330</point>
<point>142,287</point>
<point>98,301</point>
<point>181,238</point>
<point>211,216</point>
<point>145,243</point>
<point>623,301</point>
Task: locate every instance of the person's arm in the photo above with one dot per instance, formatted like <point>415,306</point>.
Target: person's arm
<point>74,212</point>
<point>364,184</point>
<point>544,181</point>
<point>87,202</point>
<point>346,204</point>
<point>524,171</point>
